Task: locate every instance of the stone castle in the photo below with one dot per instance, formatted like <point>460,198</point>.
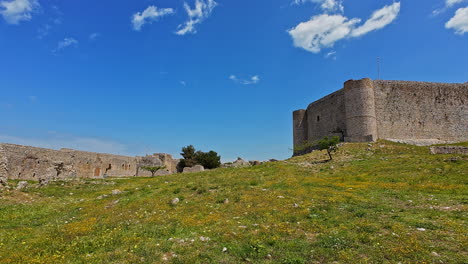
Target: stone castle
<point>405,111</point>
<point>40,164</point>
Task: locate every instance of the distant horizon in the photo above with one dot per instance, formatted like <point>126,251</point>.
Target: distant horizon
<point>134,77</point>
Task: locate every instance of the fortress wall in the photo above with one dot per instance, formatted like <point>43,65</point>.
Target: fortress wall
<point>326,117</point>
<point>31,163</point>
<point>421,111</point>
<point>361,124</point>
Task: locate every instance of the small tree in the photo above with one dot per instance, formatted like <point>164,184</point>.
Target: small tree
<point>330,144</point>
<point>153,170</point>
<point>209,160</point>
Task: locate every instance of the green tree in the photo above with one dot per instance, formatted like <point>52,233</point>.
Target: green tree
<point>153,170</point>
<point>209,160</point>
<point>188,154</point>
<point>330,144</point>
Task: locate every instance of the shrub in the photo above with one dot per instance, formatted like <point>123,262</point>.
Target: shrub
<point>209,160</point>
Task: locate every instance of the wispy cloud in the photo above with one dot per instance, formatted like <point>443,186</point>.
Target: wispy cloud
<point>183,83</point>
<point>322,31</point>
<point>67,42</point>
<point>57,141</point>
<point>148,16</point>
<point>459,22</point>
<point>326,5</point>
<point>331,55</point>
<point>448,4</point>
<point>378,20</point>
<point>252,80</point>
<point>198,14</point>
<point>15,11</point>
<point>43,31</point>
<point>94,36</point>
<point>55,19</point>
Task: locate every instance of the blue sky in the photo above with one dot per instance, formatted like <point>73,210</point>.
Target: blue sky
<point>145,76</point>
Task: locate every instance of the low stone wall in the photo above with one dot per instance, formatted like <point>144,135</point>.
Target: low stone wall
<point>449,150</point>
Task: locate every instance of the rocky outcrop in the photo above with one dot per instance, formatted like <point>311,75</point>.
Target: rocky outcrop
<point>196,168</point>
<point>255,162</point>
<point>237,164</point>
<point>449,150</point>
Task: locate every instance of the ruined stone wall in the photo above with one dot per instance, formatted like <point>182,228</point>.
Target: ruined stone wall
<point>421,111</point>
<point>33,163</point>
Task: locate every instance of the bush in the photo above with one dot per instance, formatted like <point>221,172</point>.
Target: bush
<point>209,160</point>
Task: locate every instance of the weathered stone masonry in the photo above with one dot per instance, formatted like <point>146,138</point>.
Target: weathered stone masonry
<point>366,110</point>
<point>31,163</point>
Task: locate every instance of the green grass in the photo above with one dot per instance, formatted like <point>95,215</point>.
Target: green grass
<point>394,203</point>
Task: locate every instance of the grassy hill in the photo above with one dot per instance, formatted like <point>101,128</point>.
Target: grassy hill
<point>385,203</point>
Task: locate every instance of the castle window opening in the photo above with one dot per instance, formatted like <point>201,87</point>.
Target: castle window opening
<point>318,118</point>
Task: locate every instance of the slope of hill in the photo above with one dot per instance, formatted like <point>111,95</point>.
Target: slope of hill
<point>384,203</point>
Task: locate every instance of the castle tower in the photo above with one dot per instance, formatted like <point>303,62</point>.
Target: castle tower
<point>300,127</point>
<point>361,122</point>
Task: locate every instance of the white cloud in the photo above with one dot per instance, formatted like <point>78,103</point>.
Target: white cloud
<point>183,83</point>
<point>15,11</point>
<point>378,20</point>
<point>150,14</point>
<point>198,14</point>
<point>322,31</point>
<point>67,42</point>
<point>252,80</point>
<point>459,22</point>
<point>331,55</point>
<point>326,5</point>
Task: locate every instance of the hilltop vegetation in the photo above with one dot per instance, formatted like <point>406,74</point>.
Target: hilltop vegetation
<point>385,203</point>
